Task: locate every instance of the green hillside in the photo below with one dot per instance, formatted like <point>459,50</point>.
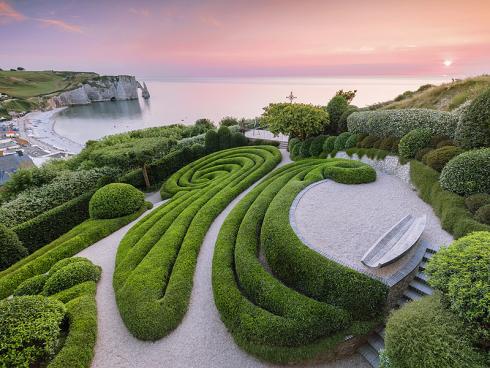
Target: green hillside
<point>447,96</point>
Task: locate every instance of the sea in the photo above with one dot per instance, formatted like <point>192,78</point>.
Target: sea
<point>184,100</point>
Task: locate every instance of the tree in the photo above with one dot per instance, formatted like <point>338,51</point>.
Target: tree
<point>20,68</point>
<point>206,123</point>
<point>228,121</point>
<point>296,120</point>
<point>335,108</point>
<point>348,95</point>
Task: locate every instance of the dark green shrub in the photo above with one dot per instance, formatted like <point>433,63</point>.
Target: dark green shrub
<point>11,249</point>
<point>483,214</point>
<point>360,138</point>
<point>316,146</point>
<point>468,173</point>
<point>70,275</point>
<point>445,143</point>
<point>439,157</point>
<point>474,126</point>
<point>295,152</point>
<point>292,142</point>
<point>342,123</point>
<point>30,329</point>
<point>368,141</point>
<point>335,108</point>
<point>351,141</point>
<point>238,139</point>
<point>305,147</point>
<point>211,141</point>
<point>413,141</point>
<point>423,334</point>
<point>339,144</point>
<point>32,286</point>
<point>421,154</point>
<point>387,143</point>
<point>198,150</point>
<point>115,200</point>
<point>436,139</point>
<point>329,143</point>
<point>377,144</point>
<point>50,225</point>
<point>204,123</point>
<point>224,137</point>
<point>228,121</point>
<point>475,201</point>
<point>461,272</point>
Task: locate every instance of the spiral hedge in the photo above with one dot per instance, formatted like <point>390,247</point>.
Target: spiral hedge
<point>296,305</point>
<point>156,259</point>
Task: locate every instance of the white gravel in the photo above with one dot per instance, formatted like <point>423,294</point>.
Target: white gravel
<point>201,340</point>
<point>345,220</point>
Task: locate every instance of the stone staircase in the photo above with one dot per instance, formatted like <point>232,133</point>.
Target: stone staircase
<point>416,290</point>
<point>283,145</point>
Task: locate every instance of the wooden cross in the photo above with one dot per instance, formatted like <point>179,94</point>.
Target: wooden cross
<point>291,97</point>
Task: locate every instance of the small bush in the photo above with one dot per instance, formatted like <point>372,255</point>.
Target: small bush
<point>228,121</point>
<point>351,141</point>
<point>461,272</point>
<point>30,329</point>
<point>328,145</point>
<point>368,141</point>
<point>422,153</point>
<point>295,152</point>
<point>387,143</point>
<point>316,146</point>
<point>436,139</point>
<point>11,249</point>
<point>468,173</point>
<point>483,214</point>
<point>211,141</point>
<point>292,142</point>
<point>115,200</point>
<point>70,275</point>
<point>475,201</point>
<point>342,123</point>
<point>445,143</point>
<point>423,334</point>
<point>335,108</point>
<point>414,141</point>
<point>474,125</point>
<point>224,137</point>
<point>305,147</point>
<point>32,286</point>
<point>237,139</point>
<point>438,158</point>
<point>339,144</point>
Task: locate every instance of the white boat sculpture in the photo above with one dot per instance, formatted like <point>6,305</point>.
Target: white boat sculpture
<point>396,242</point>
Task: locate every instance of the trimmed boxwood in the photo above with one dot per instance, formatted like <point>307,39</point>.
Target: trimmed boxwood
<point>30,330</point>
<point>483,214</point>
<point>421,154</point>
<point>211,141</point>
<point>368,141</point>
<point>445,143</point>
<point>316,146</point>
<point>439,157</point>
<point>304,151</point>
<point>295,152</point>
<point>156,259</point>
<point>224,137</point>
<point>423,334</point>
<point>32,286</point>
<point>414,141</point>
<point>308,304</point>
<point>329,143</point>
<point>351,141</point>
<point>468,173</point>
<point>71,275</point>
<point>475,201</point>
<point>339,144</point>
<point>292,142</point>
<point>115,200</point>
<point>11,248</point>
<point>474,126</point>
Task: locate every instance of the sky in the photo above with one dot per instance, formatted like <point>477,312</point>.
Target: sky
<point>186,38</point>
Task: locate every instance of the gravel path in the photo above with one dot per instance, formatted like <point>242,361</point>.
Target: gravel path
<point>201,340</point>
<point>345,220</point>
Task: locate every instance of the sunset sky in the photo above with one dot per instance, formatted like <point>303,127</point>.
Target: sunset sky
<point>248,38</point>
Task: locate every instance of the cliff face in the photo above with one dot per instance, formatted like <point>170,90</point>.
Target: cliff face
<point>122,87</point>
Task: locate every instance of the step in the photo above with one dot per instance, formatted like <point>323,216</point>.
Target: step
<point>370,355</point>
<point>431,250</point>
<point>411,295</point>
<point>422,265</point>
<point>422,277</point>
<point>400,302</point>
<point>421,287</point>
<point>382,334</point>
<point>376,342</point>
<point>427,256</point>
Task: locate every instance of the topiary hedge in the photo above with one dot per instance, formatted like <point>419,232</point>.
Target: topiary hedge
<point>414,141</point>
<point>30,330</point>
<point>305,304</point>
<point>340,141</point>
<point>328,145</point>
<point>483,214</point>
<point>292,142</point>
<point>439,157</point>
<point>115,200</point>
<point>316,146</point>
<point>304,151</point>
<point>398,122</point>
<point>461,271</point>
<point>474,125</point>
<point>71,275</point>
<point>423,334</point>
<point>468,173</point>
<point>475,201</point>
<point>211,141</point>
<point>11,249</point>
<point>156,259</point>
<point>368,142</point>
<point>351,141</point>
<point>224,137</point>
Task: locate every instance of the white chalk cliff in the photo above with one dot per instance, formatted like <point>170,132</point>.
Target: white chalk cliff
<point>106,88</point>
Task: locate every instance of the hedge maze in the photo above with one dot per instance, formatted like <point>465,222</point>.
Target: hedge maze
<point>291,304</point>
<point>156,259</point>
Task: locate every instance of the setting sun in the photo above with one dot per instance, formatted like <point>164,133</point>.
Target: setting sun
<point>447,62</point>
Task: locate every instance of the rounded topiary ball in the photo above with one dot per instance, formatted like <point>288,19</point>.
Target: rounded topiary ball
<point>474,125</point>
<point>11,248</point>
<point>439,157</point>
<point>115,200</point>
<point>483,214</point>
<point>414,141</point>
<point>468,173</point>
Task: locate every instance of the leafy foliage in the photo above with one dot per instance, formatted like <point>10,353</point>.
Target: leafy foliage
<point>468,173</point>
<point>328,145</point>
<point>475,201</point>
<point>211,141</point>
<point>341,140</point>
<point>295,120</point>
<point>115,200</point>
<point>228,121</point>
<point>11,249</point>
<point>414,141</point>
<point>483,214</point>
<point>335,108</point>
<point>316,146</point>
<point>439,157</point>
<point>71,275</point>
<point>474,126</point>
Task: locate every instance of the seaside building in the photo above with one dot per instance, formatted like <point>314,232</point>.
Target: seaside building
<point>11,163</point>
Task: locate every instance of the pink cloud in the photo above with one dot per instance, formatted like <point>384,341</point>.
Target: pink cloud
<point>9,14</point>
<point>142,11</point>
<point>61,24</point>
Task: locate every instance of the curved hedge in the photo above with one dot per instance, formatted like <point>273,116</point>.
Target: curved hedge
<point>474,126</point>
<point>439,157</point>
<point>308,304</point>
<point>77,292</point>
<point>156,259</point>
<point>341,140</point>
<point>11,248</point>
<point>414,141</point>
<point>468,173</point>
<point>397,123</point>
<point>115,200</point>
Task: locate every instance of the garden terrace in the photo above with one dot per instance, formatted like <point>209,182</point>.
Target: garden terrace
<point>293,304</point>
<point>156,259</point>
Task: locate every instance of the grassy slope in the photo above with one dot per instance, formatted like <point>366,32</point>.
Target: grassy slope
<point>447,96</point>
